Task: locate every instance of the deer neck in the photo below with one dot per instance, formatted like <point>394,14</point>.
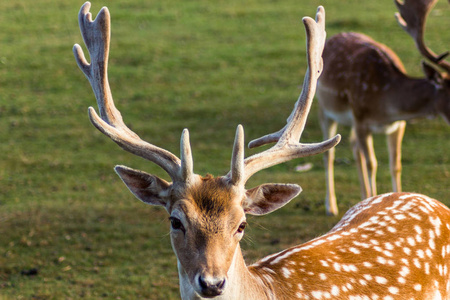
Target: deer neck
<point>413,98</point>
<point>242,284</point>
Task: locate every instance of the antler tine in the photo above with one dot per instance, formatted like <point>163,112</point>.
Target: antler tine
<point>237,159</point>
<point>412,17</point>
<point>288,146</point>
<point>96,35</point>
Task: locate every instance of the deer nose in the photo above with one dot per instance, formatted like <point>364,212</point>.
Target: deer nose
<point>211,286</point>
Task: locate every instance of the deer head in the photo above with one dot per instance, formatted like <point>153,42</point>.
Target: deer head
<point>412,16</point>
<point>207,214</point>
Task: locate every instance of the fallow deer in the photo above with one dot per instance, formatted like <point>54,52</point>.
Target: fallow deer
<point>386,246</point>
<point>364,85</point>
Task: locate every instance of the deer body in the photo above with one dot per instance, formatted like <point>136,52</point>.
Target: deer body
<point>364,85</point>
<point>392,246</point>
<point>208,214</point>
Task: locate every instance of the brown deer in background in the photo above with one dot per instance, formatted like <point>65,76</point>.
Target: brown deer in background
<point>364,85</point>
<point>208,214</point>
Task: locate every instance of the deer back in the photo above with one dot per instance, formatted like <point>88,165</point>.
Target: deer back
<point>365,81</point>
<point>392,246</point>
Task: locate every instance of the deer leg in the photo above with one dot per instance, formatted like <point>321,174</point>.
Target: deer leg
<point>366,160</point>
<point>329,129</point>
<point>394,140</point>
<point>360,165</point>
<point>365,144</point>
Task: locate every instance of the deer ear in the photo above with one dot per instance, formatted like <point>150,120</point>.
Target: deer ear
<point>431,73</point>
<point>266,198</point>
<point>147,188</point>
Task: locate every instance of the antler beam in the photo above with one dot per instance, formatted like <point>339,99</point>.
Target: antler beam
<point>288,146</point>
<point>412,17</point>
<point>96,35</point>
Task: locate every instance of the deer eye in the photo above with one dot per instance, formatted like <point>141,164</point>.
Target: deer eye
<point>176,224</point>
<point>242,227</point>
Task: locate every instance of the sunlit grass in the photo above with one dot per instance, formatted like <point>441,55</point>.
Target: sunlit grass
<point>206,65</point>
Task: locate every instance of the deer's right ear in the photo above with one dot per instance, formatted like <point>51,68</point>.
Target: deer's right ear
<point>146,187</point>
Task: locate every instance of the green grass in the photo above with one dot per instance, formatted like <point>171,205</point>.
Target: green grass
<point>204,65</point>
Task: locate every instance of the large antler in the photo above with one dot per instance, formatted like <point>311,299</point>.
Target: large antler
<point>412,17</point>
<point>96,35</point>
<point>288,146</point>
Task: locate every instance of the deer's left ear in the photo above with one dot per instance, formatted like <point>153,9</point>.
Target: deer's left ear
<point>266,198</point>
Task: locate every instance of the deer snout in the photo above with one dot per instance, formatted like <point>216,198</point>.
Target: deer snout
<point>210,286</point>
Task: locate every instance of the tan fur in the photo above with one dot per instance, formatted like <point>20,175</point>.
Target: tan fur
<point>380,249</point>
<point>212,196</point>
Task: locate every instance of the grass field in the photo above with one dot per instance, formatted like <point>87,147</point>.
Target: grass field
<point>69,229</point>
